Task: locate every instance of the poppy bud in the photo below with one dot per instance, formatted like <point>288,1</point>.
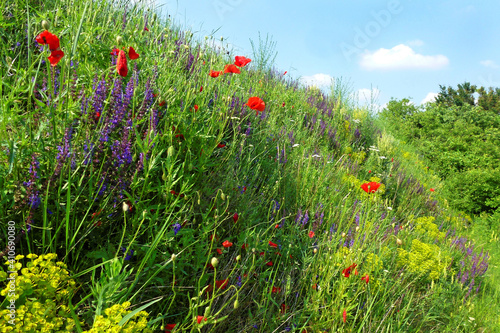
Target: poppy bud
<point>45,25</point>
<point>236,304</point>
<point>357,229</point>
<point>399,241</point>
<point>119,40</point>
<point>174,256</point>
<point>214,262</point>
<point>171,151</point>
<point>315,250</point>
<point>125,207</point>
<point>343,234</point>
<point>238,258</point>
<point>223,196</point>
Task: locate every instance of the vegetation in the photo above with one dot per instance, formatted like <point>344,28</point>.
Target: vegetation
<point>150,182</point>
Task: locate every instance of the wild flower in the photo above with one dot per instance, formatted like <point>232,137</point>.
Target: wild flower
<point>370,187</point>
<point>347,271</point>
<point>255,103</point>
<point>241,61</point>
<point>227,244</point>
<point>231,69</point>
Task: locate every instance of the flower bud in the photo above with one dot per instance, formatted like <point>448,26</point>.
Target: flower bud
<point>343,234</point>
<point>399,241</point>
<point>236,304</point>
<point>238,258</point>
<point>174,256</point>
<point>125,207</point>
<point>171,151</point>
<point>207,312</point>
<point>119,40</point>
<point>357,229</point>
<point>45,25</point>
<point>223,196</point>
<point>214,262</point>
<point>315,250</point>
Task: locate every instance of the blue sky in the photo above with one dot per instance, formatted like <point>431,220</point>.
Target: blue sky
<point>398,48</point>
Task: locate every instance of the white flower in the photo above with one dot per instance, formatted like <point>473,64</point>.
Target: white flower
<point>316,155</point>
<point>295,145</point>
<point>382,157</point>
<point>357,121</point>
<point>389,208</point>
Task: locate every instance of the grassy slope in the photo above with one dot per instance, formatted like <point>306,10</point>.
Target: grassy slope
<point>292,174</point>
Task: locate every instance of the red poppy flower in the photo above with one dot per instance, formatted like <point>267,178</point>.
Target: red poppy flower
<point>273,244</point>
<point>311,234</point>
<point>369,171</point>
<point>285,72</point>
<point>276,226</point>
<point>121,63</point>
<point>55,56</point>
<point>145,28</point>
<point>221,284</point>
<point>344,315</point>
<point>199,318</point>
<point>262,253</point>
<point>115,51</point>
<point>162,103</point>
<point>283,308</point>
<point>169,328</point>
<point>315,286</point>
<point>275,290</point>
<point>235,217</point>
<point>283,105</point>
<point>255,103</point>
<point>221,145</point>
<point>132,54</point>
<point>432,190</point>
<point>244,246</point>
<point>370,187</point>
<point>201,88</point>
<point>366,278</point>
<point>231,69</point>
<point>219,251</point>
<point>348,270</point>
<point>48,38</point>
<point>241,61</point>
<point>269,263</point>
<point>97,115</point>
<point>215,73</point>
<point>227,244</point>
<point>195,108</point>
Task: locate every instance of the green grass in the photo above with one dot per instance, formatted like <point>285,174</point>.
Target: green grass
<point>136,202</point>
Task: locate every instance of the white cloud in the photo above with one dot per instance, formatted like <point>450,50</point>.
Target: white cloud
<point>401,57</point>
<point>319,80</point>
<point>489,63</point>
<point>431,97</point>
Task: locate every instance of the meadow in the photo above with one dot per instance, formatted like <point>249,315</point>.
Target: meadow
<point>152,181</point>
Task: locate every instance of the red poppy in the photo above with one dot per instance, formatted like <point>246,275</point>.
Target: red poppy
<point>366,278</point>
<point>221,145</point>
<point>315,286</point>
<point>48,38</point>
<point>283,105</point>
<point>283,307</point>
<point>369,171</point>
<point>145,28</point>
<point>195,108</point>
<point>231,69</point>
<point>432,190</point>
<point>235,217</point>
<point>227,244</point>
<point>162,103</point>
<point>219,251</point>
<point>275,290</point>
<point>121,63</point>
<point>273,244</point>
<point>348,270</point>
<point>221,284</point>
<point>269,263</point>
<point>276,226</point>
<point>97,115</point>
<point>241,61</point>
<point>55,56</point>
<point>370,187</point>
<point>132,54</point>
<point>115,51</point>
<point>199,318</point>
<point>285,72</point>
<point>344,315</point>
<point>215,73</point>
<point>244,246</point>
<point>311,234</point>
<point>255,103</point>
<point>201,88</point>
<point>169,328</point>
<point>262,253</point>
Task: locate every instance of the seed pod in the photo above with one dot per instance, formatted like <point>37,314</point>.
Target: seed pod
<point>45,25</point>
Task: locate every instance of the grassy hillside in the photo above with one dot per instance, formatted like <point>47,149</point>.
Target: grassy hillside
<point>159,196</point>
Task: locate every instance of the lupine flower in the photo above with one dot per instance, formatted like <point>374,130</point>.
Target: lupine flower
<point>231,69</point>
<point>370,187</point>
<point>132,54</point>
<point>215,73</point>
<point>241,61</point>
<point>121,63</point>
<point>255,103</point>
<point>227,244</point>
<point>366,278</point>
